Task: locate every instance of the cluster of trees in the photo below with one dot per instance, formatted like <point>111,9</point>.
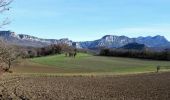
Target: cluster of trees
<point>144,54</point>
<point>45,51</point>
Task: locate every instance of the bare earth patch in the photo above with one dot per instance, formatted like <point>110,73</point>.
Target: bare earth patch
<point>131,87</point>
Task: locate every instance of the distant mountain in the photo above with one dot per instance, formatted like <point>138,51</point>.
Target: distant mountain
<point>27,40</point>
<point>156,41</point>
<point>111,41</point>
<point>108,41</point>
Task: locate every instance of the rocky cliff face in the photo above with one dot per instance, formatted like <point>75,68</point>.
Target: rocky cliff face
<point>111,41</point>
<point>27,40</point>
<point>108,41</point>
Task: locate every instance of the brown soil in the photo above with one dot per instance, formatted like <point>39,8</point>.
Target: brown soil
<point>132,87</point>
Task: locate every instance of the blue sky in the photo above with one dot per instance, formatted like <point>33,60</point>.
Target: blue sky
<point>81,20</point>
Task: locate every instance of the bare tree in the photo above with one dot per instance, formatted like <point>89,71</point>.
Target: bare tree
<point>4,6</point>
<point>7,56</point>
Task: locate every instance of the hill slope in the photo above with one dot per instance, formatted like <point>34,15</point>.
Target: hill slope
<point>134,46</point>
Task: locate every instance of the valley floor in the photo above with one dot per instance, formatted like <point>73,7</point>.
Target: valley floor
<point>153,86</point>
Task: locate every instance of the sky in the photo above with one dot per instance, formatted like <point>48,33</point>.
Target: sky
<point>81,20</point>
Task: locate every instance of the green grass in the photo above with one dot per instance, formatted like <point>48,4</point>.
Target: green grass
<point>85,63</point>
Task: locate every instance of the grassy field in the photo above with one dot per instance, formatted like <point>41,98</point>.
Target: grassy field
<point>86,64</point>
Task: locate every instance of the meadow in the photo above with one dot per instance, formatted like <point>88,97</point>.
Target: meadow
<point>89,64</point>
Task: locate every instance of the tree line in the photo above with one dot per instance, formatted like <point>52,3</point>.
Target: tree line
<point>53,49</point>
<point>143,54</point>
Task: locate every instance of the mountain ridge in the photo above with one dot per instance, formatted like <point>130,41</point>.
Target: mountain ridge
<point>107,41</point>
